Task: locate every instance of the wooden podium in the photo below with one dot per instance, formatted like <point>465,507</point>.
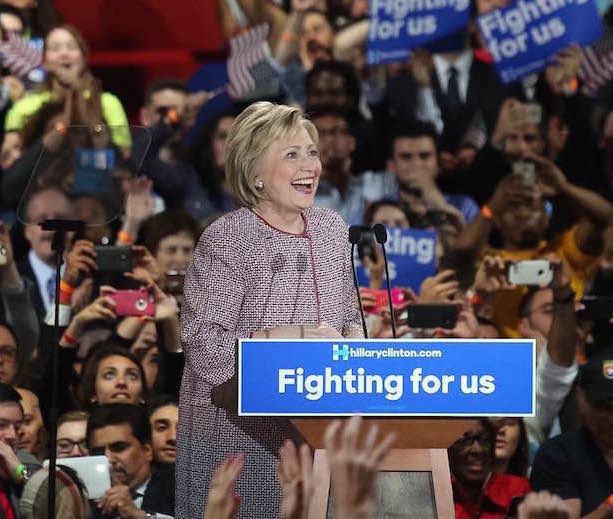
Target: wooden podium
<point>420,450</point>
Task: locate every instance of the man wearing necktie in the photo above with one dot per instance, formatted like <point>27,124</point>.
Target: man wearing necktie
<point>122,433</point>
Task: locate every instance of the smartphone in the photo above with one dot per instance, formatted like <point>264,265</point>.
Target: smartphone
<point>94,471</point>
<point>596,308</point>
<point>380,296</point>
<point>430,316</point>
<point>530,272</point>
<point>133,303</point>
<point>112,258</point>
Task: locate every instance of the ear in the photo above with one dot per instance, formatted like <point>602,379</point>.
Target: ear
<point>523,326</point>
<point>391,167</point>
<point>144,116</point>
<point>27,232</point>
<point>148,450</point>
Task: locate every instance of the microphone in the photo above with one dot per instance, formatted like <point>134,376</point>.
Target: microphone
<point>355,233</point>
<point>276,265</point>
<point>302,264</point>
<point>381,237</point>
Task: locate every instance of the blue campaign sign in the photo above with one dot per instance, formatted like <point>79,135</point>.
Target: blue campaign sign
<point>377,377</point>
<point>411,254</point>
<point>524,37</point>
<point>397,26</point>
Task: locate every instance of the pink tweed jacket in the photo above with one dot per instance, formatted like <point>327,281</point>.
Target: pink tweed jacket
<point>247,276</point>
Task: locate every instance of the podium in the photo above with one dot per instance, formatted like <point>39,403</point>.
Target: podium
<point>420,453</point>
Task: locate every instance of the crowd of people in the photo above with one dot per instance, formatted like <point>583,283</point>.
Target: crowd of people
<point>501,172</point>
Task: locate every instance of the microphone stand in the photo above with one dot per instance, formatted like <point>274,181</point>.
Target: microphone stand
<point>381,237</point>
<point>60,228</point>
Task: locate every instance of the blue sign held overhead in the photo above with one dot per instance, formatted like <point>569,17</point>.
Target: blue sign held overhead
<point>411,254</point>
<point>524,37</point>
<point>398,26</point>
<point>386,377</point>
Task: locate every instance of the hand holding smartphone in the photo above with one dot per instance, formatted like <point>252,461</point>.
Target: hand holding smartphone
<point>530,272</point>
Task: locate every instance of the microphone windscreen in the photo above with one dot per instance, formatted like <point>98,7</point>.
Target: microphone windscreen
<point>380,233</point>
<point>355,233</point>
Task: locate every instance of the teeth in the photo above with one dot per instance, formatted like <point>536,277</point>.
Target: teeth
<point>303,182</point>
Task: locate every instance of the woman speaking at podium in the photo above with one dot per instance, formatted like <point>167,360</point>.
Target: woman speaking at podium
<point>275,268</point>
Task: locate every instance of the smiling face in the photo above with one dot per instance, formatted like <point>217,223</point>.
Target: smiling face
<point>290,172</point>
<point>164,422</point>
<point>470,457</point>
<point>29,437</point>
<point>118,380</point>
<point>63,55</point>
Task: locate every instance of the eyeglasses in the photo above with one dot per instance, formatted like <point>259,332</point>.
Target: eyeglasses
<point>482,438</point>
<point>66,446</point>
<point>8,354</point>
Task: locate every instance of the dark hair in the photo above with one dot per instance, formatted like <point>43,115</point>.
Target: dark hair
<point>75,33</point>
<point>120,414</point>
<point>323,110</point>
<point>167,223</point>
<point>161,401</point>
<point>91,363</point>
<point>411,130</point>
<point>370,211</point>
<point>72,416</point>
<point>42,189</point>
<point>520,460</point>
<point>525,305</point>
<point>164,84</point>
<point>346,71</point>
<point>8,394</point>
<point>36,125</point>
<point>314,10</point>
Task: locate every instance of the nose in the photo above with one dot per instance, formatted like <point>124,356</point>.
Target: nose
<point>121,381</point>
<point>11,434</point>
<point>76,450</point>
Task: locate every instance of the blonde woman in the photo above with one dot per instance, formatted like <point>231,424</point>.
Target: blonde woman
<point>274,268</point>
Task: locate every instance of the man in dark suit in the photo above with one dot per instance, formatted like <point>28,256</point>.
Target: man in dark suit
<point>122,432</point>
<point>39,265</point>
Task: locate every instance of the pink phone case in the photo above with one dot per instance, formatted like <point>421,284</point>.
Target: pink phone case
<point>134,303</point>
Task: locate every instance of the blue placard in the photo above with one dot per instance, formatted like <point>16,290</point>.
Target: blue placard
<point>380,377</point>
<point>411,254</point>
<point>397,26</point>
<point>523,37</point>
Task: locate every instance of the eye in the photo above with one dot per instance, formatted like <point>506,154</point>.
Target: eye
<point>314,153</point>
<point>108,375</point>
<point>134,375</point>
<point>291,155</point>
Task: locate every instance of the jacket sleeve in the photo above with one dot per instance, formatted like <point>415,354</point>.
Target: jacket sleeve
<point>213,297</point>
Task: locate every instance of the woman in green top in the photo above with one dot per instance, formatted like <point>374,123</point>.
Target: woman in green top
<point>64,59</point>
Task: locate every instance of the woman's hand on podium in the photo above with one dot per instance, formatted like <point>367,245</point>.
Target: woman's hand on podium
<point>303,331</point>
<point>221,502</point>
<point>354,461</point>
<point>295,474</point>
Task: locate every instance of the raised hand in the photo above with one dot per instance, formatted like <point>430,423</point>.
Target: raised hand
<point>295,474</point>
<point>440,288</point>
<point>80,262</point>
<point>221,502</point>
<point>354,465</point>
<point>543,505</point>
<point>492,276</point>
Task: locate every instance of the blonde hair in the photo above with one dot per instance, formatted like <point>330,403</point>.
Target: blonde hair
<point>252,133</point>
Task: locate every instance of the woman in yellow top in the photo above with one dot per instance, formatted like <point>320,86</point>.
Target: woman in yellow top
<point>64,58</point>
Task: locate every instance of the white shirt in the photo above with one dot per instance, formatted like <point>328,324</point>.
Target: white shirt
<point>42,273</point>
<point>139,495</point>
<point>427,107</point>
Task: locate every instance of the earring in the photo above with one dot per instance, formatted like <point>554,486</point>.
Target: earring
<point>259,184</point>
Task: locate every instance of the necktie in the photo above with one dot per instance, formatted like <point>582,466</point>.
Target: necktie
<point>51,289</point>
<point>453,92</point>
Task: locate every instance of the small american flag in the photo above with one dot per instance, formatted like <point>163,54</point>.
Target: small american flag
<point>249,64</point>
<point>19,55</point>
<point>596,67</point>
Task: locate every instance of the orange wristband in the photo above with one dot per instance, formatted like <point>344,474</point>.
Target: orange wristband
<point>609,501</point>
<point>65,298</point>
<point>65,287</point>
<point>487,213</point>
<point>288,36</point>
<point>477,300</point>
<point>69,339</point>
<point>124,237</point>
<point>61,128</point>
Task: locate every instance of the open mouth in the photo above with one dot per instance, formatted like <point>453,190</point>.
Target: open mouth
<point>121,396</point>
<point>304,185</point>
